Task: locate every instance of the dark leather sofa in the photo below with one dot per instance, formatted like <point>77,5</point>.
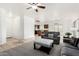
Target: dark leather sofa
<point>55,37</point>
<point>68,49</point>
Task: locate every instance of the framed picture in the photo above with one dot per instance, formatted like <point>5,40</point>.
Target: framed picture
<point>38,26</point>
<point>46,26</point>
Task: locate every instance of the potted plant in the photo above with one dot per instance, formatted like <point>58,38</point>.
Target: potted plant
<point>68,34</point>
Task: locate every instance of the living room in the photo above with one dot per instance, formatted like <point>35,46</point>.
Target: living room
<point>39,29</point>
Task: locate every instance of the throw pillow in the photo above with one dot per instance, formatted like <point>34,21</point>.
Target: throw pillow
<point>50,35</point>
<point>74,41</point>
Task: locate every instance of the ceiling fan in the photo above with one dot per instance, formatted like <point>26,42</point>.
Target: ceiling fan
<point>35,6</point>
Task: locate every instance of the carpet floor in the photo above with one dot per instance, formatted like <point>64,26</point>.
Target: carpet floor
<point>26,49</point>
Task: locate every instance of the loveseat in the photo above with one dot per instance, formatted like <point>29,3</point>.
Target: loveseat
<point>68,49</point>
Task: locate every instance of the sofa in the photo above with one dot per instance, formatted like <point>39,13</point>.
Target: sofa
<point>53,36</point>
<point>68,49</point>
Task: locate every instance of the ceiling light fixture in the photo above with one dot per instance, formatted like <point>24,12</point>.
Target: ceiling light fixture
<point>34,7</point>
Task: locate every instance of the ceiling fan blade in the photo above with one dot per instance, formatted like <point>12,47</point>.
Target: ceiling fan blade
<point>41,7</point>
<point>30,3</point>
<point>29,8</point>
<point>36,10</point>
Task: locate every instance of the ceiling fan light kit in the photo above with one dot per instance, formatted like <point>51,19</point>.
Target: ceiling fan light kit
<point>35,6</point>
<point>36,10</point>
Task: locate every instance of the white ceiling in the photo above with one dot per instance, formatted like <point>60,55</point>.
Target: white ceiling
<point>53,11</point>
<point>59,11</point>
<point>15,8</point>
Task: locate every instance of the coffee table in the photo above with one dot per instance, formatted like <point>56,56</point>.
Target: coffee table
<point>45,43</point>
